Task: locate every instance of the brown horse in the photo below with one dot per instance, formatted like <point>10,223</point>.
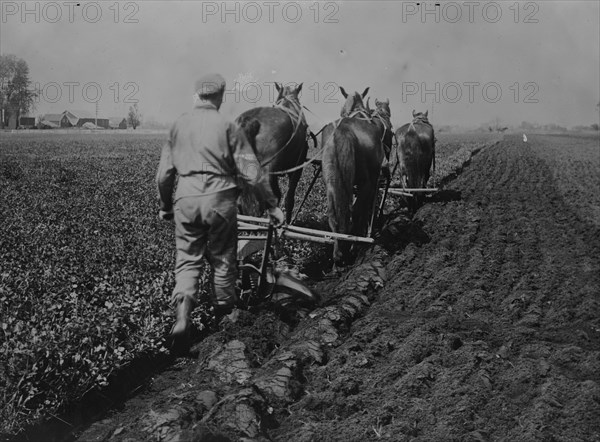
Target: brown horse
<point>352,156</point>
<point>416,154</point>
<point>382,117</point>
<point>281,144</point>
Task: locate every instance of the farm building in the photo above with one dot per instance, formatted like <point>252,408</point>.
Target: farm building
<point>79,118</point>
<point>26,122</point>
<point>83,117</point>
<point>47,124</point>
<point>117,123</point>
<point>50,121</point>
<point>68,119</point>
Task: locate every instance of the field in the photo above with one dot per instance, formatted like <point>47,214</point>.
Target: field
<point>478,319</point>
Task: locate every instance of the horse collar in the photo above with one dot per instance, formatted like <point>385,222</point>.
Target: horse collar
<point>360,113</point>
<point>296,114</point>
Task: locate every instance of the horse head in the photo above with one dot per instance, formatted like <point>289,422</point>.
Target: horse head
<point>287,94</point>
<point>382,116</point>
<point>383,113</point>
<point>420,116</point>
<point>383,107</point>
<point>354,103</point>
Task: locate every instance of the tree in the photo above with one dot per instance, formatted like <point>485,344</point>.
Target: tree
<point>16,95</point>
<point>526,125</point>
<point>134,118</point>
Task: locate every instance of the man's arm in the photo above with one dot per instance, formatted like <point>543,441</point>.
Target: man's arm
<point>165,178</point>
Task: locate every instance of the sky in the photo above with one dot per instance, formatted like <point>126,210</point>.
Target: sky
<point>467,63</point>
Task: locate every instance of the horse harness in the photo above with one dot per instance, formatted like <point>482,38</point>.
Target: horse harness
<point>297,118</point>
<point>384,118</point>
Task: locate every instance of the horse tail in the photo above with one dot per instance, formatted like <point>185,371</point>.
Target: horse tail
<point>412,144</point>
<point>339,172</point>
<point>433,154</point>
<point>249,202</point>
<point>250,126</point>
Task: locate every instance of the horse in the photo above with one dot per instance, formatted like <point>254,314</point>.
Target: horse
<point>280,144</point>
<point>352,156</point>
<point>416,146</point>
<point>381,116</point>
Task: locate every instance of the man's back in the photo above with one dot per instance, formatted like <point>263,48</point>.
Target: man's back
<point>200,143</point>
<point>210,155</point>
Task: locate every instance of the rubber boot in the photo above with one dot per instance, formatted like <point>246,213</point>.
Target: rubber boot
<point>225,308</point>
<point>182,329</point>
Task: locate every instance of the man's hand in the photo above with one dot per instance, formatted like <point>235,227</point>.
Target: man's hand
<point>164,215</point>
<point>276,216</point>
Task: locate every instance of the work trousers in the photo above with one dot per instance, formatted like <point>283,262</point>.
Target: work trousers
<point>206,227</point>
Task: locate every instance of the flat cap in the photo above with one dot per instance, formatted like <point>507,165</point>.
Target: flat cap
<point>210,84</point>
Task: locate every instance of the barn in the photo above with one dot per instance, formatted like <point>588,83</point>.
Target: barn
<point>27,122</point>
<point>68,119</point>
<point>83,117</point>
<point>50,121</point>
<point>117,123</point>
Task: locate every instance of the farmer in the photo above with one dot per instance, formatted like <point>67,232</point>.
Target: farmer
<point>213,159</point>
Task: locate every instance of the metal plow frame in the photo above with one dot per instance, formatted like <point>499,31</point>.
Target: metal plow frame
<point>263,240</point>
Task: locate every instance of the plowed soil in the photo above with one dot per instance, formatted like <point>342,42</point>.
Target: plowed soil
<point>476,320</point>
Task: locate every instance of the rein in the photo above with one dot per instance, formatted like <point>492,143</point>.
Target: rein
<point>384,118</point>
<point>296,123</point>
<point>360,114</point>
<point>316,156</point>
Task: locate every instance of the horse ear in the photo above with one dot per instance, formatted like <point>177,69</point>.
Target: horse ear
<point>387,101</point>
<point>367,105</point>
<point>377,102</point>
<point>414,113</point>
<point>299,88</point>
<point>278,87</point>
<point>343,92</point>
<point>364,94</point>
<point>426,113</point>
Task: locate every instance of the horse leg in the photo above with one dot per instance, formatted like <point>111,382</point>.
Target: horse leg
<point>294,178</point>
<point>274,181</point>
<point>359,215</point>
<point>333,225</point>
<point>375,208</point>
<point>365,207</point>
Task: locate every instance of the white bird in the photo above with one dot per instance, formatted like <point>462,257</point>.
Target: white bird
<point>524,138</point>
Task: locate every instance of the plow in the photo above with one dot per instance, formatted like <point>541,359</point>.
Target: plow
<point>266,282</point>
